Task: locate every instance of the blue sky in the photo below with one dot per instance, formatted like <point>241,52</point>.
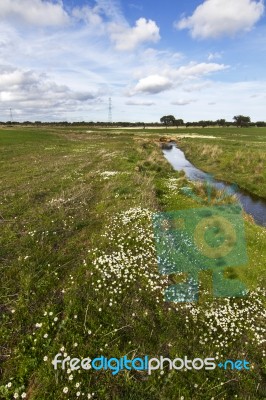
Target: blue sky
<point>62,60</point>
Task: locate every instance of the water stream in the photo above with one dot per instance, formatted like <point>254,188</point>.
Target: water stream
<point>252,205</point>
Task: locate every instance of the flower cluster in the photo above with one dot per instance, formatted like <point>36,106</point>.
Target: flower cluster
<point>132,259</point>
<point>108,174</point>
<point>172,184</point>
<point>225,322</point>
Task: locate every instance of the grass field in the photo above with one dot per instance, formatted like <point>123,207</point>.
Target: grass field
<point>79,273</point>
<point>234,155</point>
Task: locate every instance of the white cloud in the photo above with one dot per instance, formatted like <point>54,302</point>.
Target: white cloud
<point>215,56</point>
<point>106,18</point>
<point>111,9</point>
<point>183,102</point>
<point>127,38</point>
<point>34,12</point>
<point>139,103</point>
<point>171,77</point>
<point>197,87</point>
<point>152,84</point>
<point>194,70</point>
<point>25,90</point>
<point>89,15</point>
<point>100,15</point>
<point>215,18</point>
<point>11,78</point>
<point>155,62</point>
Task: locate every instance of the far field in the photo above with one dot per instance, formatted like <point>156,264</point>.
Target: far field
<point>79,270</point>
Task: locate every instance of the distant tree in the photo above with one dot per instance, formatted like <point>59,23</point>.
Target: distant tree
<point>179,122</point>
<point>168,120</point>
<point>241,120</point>
<point>203,123</point>
<point>261,124</point>
<point>221,122</point>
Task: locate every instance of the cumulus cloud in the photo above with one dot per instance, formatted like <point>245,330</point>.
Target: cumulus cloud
<point>34,12</point>
<point>25,90</point>
<point>171,77</point>
<point>127,38</point>
<point>152,84</point>
<point>215,18</point>
<point>104,18</point>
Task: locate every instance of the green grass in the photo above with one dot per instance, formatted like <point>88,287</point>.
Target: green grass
<point>234,155</point>
<point>78,259</point>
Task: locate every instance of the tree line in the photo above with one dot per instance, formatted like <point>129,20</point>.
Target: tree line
<point>240,121</point>
<point>167,120</point>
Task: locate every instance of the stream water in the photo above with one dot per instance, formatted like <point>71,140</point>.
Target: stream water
<point>252,205</point>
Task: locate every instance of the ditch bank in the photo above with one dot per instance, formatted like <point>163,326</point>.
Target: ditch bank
<point>251,204</point>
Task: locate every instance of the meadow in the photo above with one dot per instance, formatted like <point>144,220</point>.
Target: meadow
<point>79,271</point>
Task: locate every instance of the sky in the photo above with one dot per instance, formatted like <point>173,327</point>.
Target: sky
<point>61,60</point>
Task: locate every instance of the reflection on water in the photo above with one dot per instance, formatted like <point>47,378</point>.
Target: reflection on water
<point>252,205</point>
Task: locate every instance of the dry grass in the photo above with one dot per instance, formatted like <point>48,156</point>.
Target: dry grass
<point>212,151</point>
